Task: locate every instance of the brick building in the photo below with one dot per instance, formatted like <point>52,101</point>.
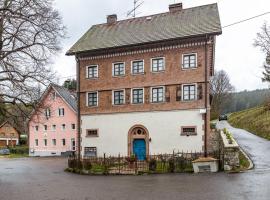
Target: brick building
<point>144,82</point>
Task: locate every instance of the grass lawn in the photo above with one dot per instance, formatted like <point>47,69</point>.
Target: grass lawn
<point>255,120</point>
<point>14,156</point>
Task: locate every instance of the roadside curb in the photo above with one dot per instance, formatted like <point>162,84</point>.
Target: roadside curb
<point>251,165</point>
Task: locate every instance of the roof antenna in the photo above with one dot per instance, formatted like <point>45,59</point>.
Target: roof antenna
<point>136,5</point>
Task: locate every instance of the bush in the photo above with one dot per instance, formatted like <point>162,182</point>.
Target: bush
<point>152,165</point>
<point>171,167</point>
<point>72,163</point>
<point>19,150</point>
<point>87,165</point>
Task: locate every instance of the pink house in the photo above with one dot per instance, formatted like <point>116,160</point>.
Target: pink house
<point>52,126</point>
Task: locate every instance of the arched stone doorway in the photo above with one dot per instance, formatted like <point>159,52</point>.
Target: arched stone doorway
<point>138,135</point>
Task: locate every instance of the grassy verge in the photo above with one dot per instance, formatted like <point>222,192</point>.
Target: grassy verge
<point>14,156</point>
<point>255,120</point>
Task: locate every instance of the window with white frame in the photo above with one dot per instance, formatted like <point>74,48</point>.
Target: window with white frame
<point>158,64</point>
<point>137,67</point>
<point>92,99</point>
<point>90,151</point>
<point>53,95</point>
<point>61,112</point>
<point>63,127</point>
<point>137,96</point>
<point>118,97</point>
<point>36,128</point>
<point>45,142</point>
<point>157,94</point>
<point>47,112</point>
<point>64,142</point>
<point>189,61</point>
<point>118,69</point>
<point>36,142</point>
<point>45,127</point>
<point>92,71</point>
<point>54,142</point>
<point>53,127</point>
<point>73,126</point>
<point>189,92</point>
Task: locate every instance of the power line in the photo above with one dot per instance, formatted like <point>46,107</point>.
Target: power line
<point>244,20</point>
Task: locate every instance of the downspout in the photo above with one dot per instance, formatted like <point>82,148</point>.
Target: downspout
<point>206,98</point>
<point>78,108</point>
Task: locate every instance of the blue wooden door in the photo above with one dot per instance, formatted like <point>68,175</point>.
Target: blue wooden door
<point>139,149</point>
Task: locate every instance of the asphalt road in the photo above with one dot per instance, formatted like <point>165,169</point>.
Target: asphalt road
<point>44,179</point>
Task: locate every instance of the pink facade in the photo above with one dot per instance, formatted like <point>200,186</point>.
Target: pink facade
<point>52,128</point>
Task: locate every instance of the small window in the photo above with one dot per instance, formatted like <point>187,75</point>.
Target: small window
<point>36,128</point>
<point>92,133</point>
<point>118,97</point>
<point>45,127</point>
<point>90,151</point>
<point>92,71</point>
<point>61,112</point>
<point>188,130</point>
<point>73,126</point>
<point>12,134</point>
<point>2,134</point>
<point>45,142</point>
<point>64,142</point>
<point>137,96</point>
<point>118,69</point>
<point>137,67</point>
<point>36,142</point>
<point>47,112</point>
<point>189,92</point>
<point>63,127</point>
<point>53,95</point>
<point>158,94</point>
<point>54,127</point>
<point>92,99</point>
<point>158,64</point>
<point>54,142</point>
<point>189,61</point>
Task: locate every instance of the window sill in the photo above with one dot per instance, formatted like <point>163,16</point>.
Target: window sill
<point>190,68</point>
<point>136,74</point>
<point>118,76</point>
<point>157,72</point>
<point>94,78</point>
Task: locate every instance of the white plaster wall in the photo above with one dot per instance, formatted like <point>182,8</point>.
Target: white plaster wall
<point>164,130</point>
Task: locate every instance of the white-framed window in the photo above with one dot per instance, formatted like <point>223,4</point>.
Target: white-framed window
<point>45,142</point>
<point>45,127</point>
<point>64,142</point>
<point>137,67</point>
<point>53,127</point>
<point>118,97</point>
<point>90,151</point>
<point>53,96</point>
<point>137,95</point>
<point>189,92</point>
<point>36,128</point>
<point>189,61</point>
<point>54,142</point>
<point>63,126</point>
<point>92,99</point>
<point>158,94</point>
<point>73,126</point>
<point>36,142</point>
<point>61,112</point>
<point>92,71</point>
<point>158,64</point>
<point>47,112</point>
<point>118,69</point>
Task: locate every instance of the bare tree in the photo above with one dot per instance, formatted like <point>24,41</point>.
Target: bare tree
<point>30,35</point>
<point>263,41</point>
<point>221,89</point>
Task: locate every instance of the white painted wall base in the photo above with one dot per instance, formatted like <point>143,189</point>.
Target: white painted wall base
<point>164,130</point>
<point>44,153</point>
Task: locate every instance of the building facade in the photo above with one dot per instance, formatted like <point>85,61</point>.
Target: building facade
<point>53,125</point>
<point>9,136</point>
<point>144,82</point>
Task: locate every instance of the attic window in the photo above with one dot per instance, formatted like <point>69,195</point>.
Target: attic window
<point>53,95</point>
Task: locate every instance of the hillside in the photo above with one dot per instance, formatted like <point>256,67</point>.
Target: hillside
<point>255,120</point>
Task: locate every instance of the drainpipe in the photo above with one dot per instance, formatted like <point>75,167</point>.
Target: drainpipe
<point>206,98</point>
<point>78,108</point>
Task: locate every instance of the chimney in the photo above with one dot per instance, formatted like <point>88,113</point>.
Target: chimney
<point>175,7</point>
<point>111,19</point>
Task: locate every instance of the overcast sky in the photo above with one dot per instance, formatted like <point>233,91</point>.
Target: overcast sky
<point>234,53</point>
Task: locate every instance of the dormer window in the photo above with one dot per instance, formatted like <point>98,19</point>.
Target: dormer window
<point>92,71</point>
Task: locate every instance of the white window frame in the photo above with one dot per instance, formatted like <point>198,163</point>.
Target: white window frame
<point>36,142</point>
<point>87,103</point>
<point>188,54</point>
<point>151,91</point>
<point>113,69</point>
<point>53,143</point>
<point>53,96</point>
<point>44,128</point>
<point>87,71</point>
<point>36,126</point>
<point>53,128</point>
<point>132,96</point>
<point>151,66</point>
<point>59,113</point>
<point>47,112</point>
<point>124,102</point>
<point>131,70</point>
<point>63,129</point>
<point>187,84</point>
